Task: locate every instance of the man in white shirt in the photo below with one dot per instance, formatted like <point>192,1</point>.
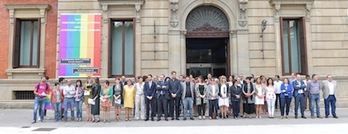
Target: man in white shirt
<point>277,84</point>
<point>69,93</point>
<point>329,87</point>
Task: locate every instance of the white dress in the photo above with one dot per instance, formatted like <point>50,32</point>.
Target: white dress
<point>224,93</point>
<point>259,101</point>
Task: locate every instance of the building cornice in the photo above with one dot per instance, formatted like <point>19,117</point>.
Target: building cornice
<point>27,6</point>
<point>292,2</point>
<point>121,2</point>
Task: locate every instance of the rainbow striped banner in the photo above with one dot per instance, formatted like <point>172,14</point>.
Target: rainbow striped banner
<point>79,45</point>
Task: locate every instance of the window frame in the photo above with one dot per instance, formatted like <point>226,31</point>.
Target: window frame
<point>123,20</point>
<point>16,60</point>
<point>302,52</point>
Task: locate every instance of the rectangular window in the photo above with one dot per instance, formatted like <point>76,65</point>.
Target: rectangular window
<point>294,56</point>
<point>26,43</point>
<point>122,48</point>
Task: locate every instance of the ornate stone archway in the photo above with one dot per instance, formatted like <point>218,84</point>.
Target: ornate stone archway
<point>207,21</point>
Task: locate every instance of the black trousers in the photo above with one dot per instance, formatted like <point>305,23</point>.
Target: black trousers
<point>174,105</point>
<point>201,109</point>
<point>162,107</point>
<point>278,101</point>
<point>149,108</point>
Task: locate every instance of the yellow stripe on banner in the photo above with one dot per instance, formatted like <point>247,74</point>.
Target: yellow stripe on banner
<point>84,39</point>
<point>91,18</point>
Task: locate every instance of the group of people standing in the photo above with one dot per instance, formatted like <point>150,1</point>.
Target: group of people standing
<point>147,97</point>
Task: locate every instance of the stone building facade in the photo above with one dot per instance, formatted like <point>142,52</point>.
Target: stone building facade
<point>263,37</point>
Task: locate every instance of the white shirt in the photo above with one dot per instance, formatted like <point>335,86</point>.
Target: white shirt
<point>306,83</point>
<point>213,89</point>
<point>331,88</point>
<point>277,85</point>
<point>223,90</point>
<point>139,88</point>
<point>69,91</point>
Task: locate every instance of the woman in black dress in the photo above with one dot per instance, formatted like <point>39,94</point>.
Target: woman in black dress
<point>96,88</point>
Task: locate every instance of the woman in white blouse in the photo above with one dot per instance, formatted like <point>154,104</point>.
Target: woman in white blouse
<point>259,97</point>
<point>139,99</point>
<point>223,96</point>
<point>270,97</point>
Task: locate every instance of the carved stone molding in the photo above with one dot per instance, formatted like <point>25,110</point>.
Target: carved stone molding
<point>41,7</point>
<point>278,3</point>
<point>106,3</point>
<point>174,21</point>
<point>137,12</point>
<point>206,27</point>
<point>243,20</point>
<point>204,15</point>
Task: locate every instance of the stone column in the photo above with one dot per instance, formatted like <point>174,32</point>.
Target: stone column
<point>183,52</point>
<point>104,43</point>
<point>309,39</point>
<point>233,52</point>
<point>174,51</point>
<point>138,40</point>
<point>42,38</point>
<point>277,37</point>
<point>243,51</point>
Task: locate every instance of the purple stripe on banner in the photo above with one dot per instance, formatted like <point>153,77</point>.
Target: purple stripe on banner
<point>62,44</point>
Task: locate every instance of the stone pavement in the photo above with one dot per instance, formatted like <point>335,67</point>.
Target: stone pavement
<point>22,118</point>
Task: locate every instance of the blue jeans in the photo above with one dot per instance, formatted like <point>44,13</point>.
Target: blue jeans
<point>299,100</point>
<point>315,100</point>
<point>57,111</point>
<point>68,102</point>
<point>39,103</point>
<point>79,109</point>
<point>331,100</point>
<point>188,105</point>
<point>285,105</point>
<point>213,107</point>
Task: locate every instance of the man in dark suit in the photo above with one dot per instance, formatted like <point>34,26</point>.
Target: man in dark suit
<point>162,96</point>
<point>149,91</point>
<point>174,87</point>
<point>299,94</point>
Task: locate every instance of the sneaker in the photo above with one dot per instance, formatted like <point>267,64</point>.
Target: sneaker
<point>203,117</point>
<point>199,117</point>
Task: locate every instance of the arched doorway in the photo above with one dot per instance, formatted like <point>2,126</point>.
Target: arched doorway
<point>207,42</point>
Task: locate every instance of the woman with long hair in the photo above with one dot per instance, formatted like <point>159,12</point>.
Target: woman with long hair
<point>117,98</point>
<point>88,95</point>
<point>270,97</point>
<point>95,110</point>
<point>79,90</point>
<point>201,100</point>
<point>106,98</point>
<point>129,97</point>
<point>223,96</point>
<point>248,98</point>
<point>259,97</point>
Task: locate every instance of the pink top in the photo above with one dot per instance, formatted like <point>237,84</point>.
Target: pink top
<point>41,87</point>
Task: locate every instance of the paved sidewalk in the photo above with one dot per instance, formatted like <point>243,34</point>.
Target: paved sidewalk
<point>23,118</point>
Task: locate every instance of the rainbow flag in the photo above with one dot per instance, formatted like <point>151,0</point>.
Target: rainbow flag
<point>48,104</point>
<point>79,45</point>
